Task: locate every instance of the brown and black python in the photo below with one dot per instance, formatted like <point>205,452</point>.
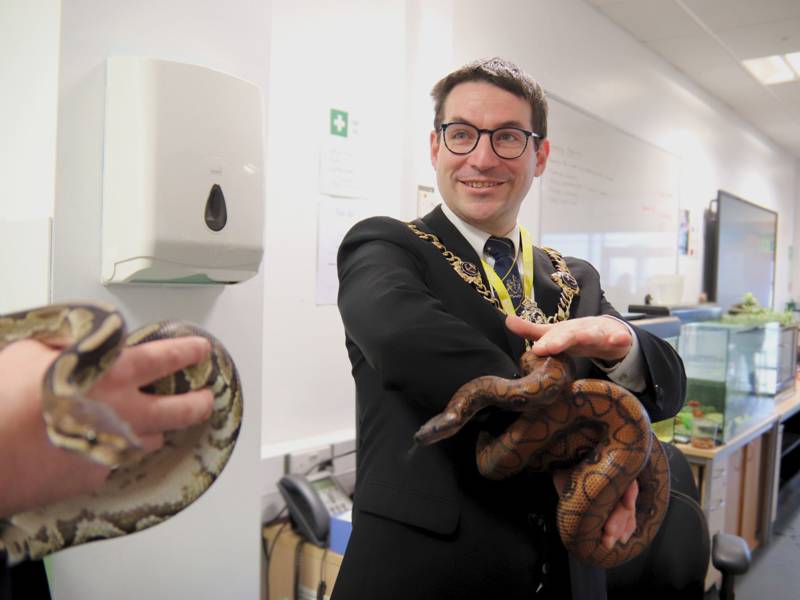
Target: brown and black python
<point>597,428</point>
<point>141,491</point>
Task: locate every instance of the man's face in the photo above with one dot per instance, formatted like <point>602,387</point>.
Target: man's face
<point>483,189</point>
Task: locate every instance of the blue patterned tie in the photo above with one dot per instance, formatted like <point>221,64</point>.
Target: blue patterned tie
<point>502,251</point>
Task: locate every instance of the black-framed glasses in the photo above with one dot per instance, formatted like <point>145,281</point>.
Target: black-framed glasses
<point>507,142</point>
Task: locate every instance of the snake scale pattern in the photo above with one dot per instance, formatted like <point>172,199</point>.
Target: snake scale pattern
<point>596,428</point>
<point>141,491</point>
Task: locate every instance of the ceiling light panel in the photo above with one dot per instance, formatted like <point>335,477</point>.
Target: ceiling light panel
<point>770,70</point>
<point>794,60</point>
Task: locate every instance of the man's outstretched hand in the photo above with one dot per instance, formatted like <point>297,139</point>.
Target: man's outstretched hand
<point>602,338</point>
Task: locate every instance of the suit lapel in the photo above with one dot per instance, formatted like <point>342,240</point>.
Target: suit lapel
<point>440,225</point>
<point>447,233</point>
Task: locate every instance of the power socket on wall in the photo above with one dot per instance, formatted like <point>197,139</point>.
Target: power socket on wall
<point>305,461</point>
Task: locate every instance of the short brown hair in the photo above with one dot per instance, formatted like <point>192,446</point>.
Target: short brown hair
<point>503,74</point>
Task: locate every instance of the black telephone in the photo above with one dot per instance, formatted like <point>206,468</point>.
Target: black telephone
<point>311,503</point>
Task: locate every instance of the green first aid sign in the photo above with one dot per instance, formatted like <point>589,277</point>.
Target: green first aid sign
<point>338,122</point>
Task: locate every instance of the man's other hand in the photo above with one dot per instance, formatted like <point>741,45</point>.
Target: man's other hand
<point>621,523</point>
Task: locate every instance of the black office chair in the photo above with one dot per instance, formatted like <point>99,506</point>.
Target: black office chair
<point>26,581</point>
<point>675,564</point>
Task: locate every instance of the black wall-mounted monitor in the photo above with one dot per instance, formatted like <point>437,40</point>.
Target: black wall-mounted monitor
<point>740,241</point>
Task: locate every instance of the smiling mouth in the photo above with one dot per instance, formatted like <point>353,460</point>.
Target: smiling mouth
<point>481,184</point>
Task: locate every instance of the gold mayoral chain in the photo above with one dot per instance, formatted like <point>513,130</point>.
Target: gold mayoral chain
<point>530,310</point>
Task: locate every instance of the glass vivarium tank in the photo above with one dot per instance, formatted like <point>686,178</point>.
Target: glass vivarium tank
<point>734,373</point>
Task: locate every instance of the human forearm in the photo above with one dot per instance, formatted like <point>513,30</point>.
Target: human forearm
<point>33,471</point>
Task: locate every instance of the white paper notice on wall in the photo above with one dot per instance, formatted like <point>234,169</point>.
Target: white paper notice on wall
<point>340,165</point>
<point>336,217</point>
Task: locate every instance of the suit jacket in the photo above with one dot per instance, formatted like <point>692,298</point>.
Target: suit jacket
<point>426,524</point>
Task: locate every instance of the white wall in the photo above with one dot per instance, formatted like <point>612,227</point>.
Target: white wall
<point>348,55</point>
<point>212,549</point>
<point>29,33</point>
<point>380,58</point>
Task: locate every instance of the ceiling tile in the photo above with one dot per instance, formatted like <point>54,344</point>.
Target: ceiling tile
<point>747,97</point>
<point>726,14</point>
<point>765,39</point>
<point>692,53</point>
<point>789,94</point>
<point>603,2</point>
<point>737,89</point>
<point>649,20</point>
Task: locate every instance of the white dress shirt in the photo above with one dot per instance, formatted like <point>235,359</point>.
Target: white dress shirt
<point>629,372</point>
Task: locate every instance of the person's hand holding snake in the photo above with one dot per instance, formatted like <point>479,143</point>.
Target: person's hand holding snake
<point>33,472</point>
<point>600,338</point>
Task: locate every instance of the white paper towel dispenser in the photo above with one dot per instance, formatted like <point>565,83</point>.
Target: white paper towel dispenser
<point>183,180</point>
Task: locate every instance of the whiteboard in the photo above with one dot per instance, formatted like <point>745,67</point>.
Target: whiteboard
<point>612,199</point>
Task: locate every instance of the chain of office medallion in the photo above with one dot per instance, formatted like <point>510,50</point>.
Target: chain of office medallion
<point>470,274</point>
<point>467,271</point>
<point>565,281</point>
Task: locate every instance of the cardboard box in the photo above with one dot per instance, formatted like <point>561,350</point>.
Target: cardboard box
<point>292,556</point>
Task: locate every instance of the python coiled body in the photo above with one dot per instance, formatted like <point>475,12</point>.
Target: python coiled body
<point>141,491</point>
<point>596,428</point>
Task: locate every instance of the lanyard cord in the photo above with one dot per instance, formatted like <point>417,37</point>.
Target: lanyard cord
<point>527,274</point>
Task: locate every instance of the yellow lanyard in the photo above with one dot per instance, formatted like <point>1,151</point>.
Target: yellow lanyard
<point>527,274</point>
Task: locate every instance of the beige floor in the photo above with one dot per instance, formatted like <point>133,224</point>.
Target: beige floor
<point>775,571</point>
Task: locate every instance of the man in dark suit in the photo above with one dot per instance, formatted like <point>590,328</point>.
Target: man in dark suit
<point>421,317</point>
